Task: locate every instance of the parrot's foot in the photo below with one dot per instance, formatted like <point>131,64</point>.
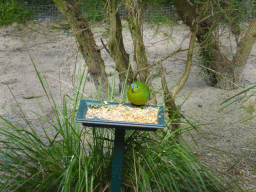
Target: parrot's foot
<point>139,106</point>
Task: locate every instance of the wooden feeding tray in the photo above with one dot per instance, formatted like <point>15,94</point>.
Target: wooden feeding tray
<point>121,117</point>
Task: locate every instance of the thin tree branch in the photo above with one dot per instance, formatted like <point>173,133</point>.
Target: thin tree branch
<point>162,59</point>
<point>104,46</point>
<point>186,74</point>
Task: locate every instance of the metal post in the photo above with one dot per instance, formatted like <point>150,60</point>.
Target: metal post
<point>117,163</point>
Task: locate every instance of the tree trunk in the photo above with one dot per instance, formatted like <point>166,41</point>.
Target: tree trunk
<point>222,73</point>
<point>116,45</point>
<point>169,97</point>
<point>86,43</point>
<point>140,11</point>
<point>244,49</point>
<point>135,28</point>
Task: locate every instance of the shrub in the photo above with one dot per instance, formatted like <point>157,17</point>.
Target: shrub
<point>10,13</point>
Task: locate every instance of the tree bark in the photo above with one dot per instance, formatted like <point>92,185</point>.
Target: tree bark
<point>244,49</point>
<point>86,43</point>
<point>116,45</point>
<point>135,28</point>
<point>229,73</point>
<point>136,33</point>
<point>169,97</point>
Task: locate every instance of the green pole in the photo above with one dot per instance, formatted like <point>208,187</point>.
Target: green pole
<point>117,163</point>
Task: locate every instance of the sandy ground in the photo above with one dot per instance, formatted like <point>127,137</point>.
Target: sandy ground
<point>55,53</point>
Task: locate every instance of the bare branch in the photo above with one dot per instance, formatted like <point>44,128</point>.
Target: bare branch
<point>104,46</point>
<point>162,59</point>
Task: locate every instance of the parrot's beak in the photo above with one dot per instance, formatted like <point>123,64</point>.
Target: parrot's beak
<point>133,85</point>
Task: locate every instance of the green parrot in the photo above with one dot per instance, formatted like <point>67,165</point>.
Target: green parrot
<point>138,93</point>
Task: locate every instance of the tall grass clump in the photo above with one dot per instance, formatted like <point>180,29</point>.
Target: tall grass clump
<point>10,12</point>
<point>81,158</point>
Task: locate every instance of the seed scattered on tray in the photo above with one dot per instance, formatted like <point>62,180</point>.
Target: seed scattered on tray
<point>123,113</point>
